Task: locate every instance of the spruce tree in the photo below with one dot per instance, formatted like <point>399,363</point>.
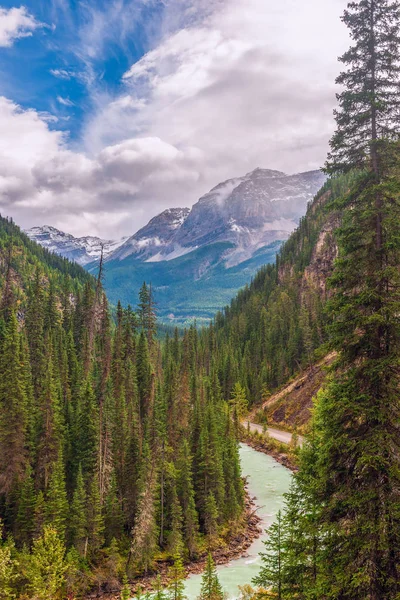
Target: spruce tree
<point>368,106</point>
<point>271,573</point>
<point>77,523</point>
<point>210,586</point>
<point>176,575</point>
<point>47,566</point>
<point>56,499</point>
<point>357,416</point>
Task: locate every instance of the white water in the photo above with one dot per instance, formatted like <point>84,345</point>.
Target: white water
<point>268,481</point>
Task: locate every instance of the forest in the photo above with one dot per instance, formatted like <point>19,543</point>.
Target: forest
<point>116,451</point>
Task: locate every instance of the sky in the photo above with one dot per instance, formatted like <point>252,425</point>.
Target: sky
<point>113,110</point>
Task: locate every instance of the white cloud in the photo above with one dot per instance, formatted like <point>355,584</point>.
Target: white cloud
<point>62,73</point>
<point>247,83</point>
<point>65,101</point>
<point>234,84</point>
<point>42,180</point>
<point>16,23</point>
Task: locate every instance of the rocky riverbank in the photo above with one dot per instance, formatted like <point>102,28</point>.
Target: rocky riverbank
<point>236,547</point>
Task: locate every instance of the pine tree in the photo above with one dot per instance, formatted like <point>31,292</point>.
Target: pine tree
<point>187,498</point>
<point>126,589</point>
<point>9,567</point>
<point>95,519</point>
<point>210,586</point>
<point>239,405</point>
<point>144,533</point>
<point>368,105</point>
<point>211,516</point>
<point>176,574</point>
<point>77,524</point>
<point>271,574</point>
<point>25,522</point>
<point>56,500</point>
<point>47,566</point>
<point>357,415</point>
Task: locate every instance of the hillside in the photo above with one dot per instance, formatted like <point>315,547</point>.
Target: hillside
<point>27,257</point>
<point>276,327</point>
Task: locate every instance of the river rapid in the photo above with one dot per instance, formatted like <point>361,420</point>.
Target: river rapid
<point>268,481</point>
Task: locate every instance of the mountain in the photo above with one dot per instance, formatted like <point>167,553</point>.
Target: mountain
<point>26,260</point>
<point>197,260</point>
<point>249,212</point>
<point>149,241</point>
<point>83,250</point>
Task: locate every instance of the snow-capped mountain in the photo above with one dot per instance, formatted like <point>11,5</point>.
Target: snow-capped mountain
<point>83,250</point>
<point>249,212</point>
<point>196,259</point>
<point>150,241</point>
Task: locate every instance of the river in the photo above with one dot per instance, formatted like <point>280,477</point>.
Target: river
<point>268,481</point>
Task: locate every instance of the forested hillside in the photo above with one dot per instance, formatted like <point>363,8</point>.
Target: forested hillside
<point>115,452</point>
<point>277,325</point>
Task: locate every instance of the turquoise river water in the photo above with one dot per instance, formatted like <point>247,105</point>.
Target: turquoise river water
<point>268,481</point>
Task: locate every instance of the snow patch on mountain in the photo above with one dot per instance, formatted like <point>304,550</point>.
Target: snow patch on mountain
<point>83,250</point>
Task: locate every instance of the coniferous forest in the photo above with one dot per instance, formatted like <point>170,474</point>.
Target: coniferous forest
<point>119,446</point>
<point>115,451</point>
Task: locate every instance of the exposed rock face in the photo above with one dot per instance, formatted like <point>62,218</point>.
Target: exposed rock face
<point>252,211</point>
<point>152,239</point>
<point>82,250</point>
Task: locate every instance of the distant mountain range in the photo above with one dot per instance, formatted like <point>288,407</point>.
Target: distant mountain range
<point>196,259</point>
<point>83,250</point>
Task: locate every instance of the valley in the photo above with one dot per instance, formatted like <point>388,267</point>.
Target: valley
<point>197,259</point>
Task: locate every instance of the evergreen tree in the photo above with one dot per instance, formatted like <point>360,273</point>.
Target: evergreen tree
<point>368,105</point>
<point>56,500</point>
<point>47,566</point>
<point>187,498</point>
<point>176,573</point>
<point>95,519</point>
<point>210,586</point>
<point>13,411</point>
<point>9,567</point>
<point>78,524</point>
<point>272,571</point>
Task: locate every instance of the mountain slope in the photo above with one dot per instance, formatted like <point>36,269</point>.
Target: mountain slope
<point>151,239</point>
<point>197,260</point>
<point>82,250</point>
<point>22,260</point>
<point>276,327</point>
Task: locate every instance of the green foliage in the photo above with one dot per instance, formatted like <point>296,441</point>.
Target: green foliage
<point>9,569</point>
<point>47,566</point>
<point>271,573</point>
<point>210,586</point>
<point>177,577</point>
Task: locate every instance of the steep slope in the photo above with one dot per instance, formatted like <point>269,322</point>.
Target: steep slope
<point>82,250</point>
<point>27,257</point>
<point>152,239</point>
<point>276,327</point>
<point>250,212</point>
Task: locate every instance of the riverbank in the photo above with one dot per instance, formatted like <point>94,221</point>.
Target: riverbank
<point>235,547</point>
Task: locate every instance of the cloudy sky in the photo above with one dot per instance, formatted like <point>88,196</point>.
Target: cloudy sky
<point>113,110</point>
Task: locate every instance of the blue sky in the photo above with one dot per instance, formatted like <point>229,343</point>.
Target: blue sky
<point>80,48</point>
<point>114,110</point>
